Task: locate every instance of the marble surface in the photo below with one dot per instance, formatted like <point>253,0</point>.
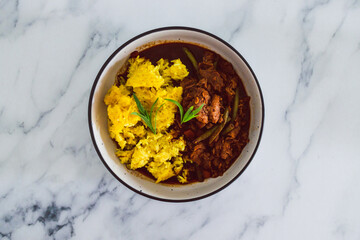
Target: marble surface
<point>304,182</point>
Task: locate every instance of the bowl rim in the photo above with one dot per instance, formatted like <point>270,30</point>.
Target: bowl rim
<point>93,91</point>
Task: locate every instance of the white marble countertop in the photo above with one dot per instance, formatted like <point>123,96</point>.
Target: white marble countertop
<point>303,183</point>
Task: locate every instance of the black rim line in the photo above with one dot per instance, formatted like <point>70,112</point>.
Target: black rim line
<point>107,62</point>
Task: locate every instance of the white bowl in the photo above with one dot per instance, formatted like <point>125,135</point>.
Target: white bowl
<point>105,146</point>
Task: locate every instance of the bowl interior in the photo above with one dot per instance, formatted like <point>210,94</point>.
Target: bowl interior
<point>106,147</point>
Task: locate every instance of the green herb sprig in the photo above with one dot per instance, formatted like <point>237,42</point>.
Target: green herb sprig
<point>190,113</point>
<point>144,115</point>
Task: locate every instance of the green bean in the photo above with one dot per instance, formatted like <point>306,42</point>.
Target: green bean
<point>235,110</point>
<point>191,58</point>
<point>206,134</point>
<point>228,129</point>
<point>221,126</point>
<point>215,64</point>
<point>216,61</point>
<point>236,105</point>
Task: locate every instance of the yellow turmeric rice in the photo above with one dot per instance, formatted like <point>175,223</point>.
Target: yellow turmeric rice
<point>139,147</point>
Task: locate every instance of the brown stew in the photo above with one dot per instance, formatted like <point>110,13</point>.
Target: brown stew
<point>221,130</point>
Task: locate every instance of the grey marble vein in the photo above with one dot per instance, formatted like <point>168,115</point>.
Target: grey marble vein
<point>303,182</point>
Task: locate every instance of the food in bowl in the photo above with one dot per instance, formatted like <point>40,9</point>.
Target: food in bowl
<point>178,113</point>
<point>106,148</point>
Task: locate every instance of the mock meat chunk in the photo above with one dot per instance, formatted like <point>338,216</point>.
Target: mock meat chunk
<point>213,77</point>
<point>214,110</point>
<point>214,86</point>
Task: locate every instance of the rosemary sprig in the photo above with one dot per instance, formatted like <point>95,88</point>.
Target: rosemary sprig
<point>144,115</point>
<point>190,113</point>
